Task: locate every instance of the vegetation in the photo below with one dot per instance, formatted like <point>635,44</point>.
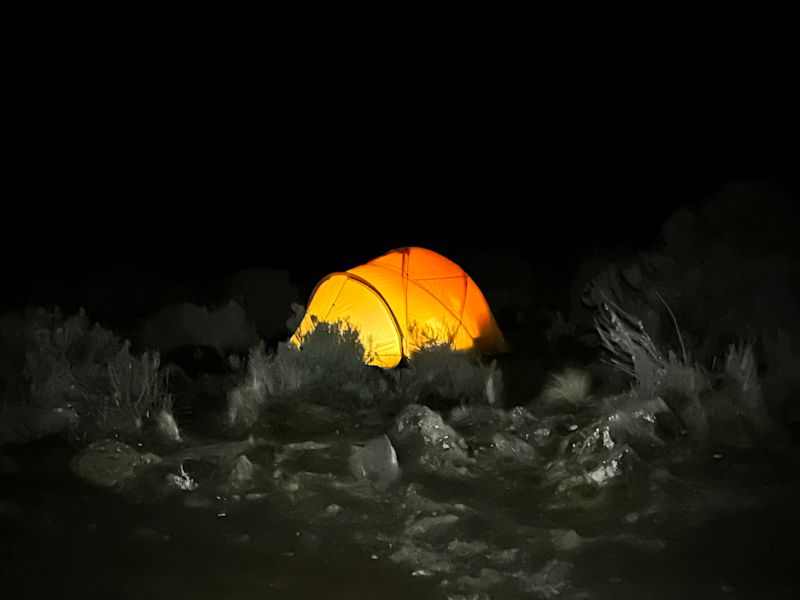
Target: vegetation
<point>330,368</point>
<point>719,403</point>
<point>82,377</point>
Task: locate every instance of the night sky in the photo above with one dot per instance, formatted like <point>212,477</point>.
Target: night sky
<point>315,153</point>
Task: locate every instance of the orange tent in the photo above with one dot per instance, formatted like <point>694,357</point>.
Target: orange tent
<point>402,301</point>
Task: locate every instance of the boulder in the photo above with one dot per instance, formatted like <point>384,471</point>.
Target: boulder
<point>421,437</point>
<point>106,463</point>
<point>376,461</point>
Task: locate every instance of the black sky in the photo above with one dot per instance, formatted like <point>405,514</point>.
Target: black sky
<point>323,147</point>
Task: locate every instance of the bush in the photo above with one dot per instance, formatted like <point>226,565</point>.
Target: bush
<point>437,375</point>
<point>245,401</point>
<point>330,368</point>
<point>724,406</point>
<point>570,386</point>
<point>66,357</point>
<point>137,391</point>
<point>724,272</point>
<point>73,368</point>
<point>334,347</point>
<point>331,356</point>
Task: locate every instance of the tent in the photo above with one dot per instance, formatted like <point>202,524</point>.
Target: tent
<point>402,301</point>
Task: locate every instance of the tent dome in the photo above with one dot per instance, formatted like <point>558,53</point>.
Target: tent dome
<point>402,301</point>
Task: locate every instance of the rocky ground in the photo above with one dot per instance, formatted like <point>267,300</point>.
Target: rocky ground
<point>466,503</point>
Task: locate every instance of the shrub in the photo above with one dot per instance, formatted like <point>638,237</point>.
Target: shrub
<point>438,375</point>
<point>73,368</point>
<point>329,365</point>
<point>137,390</point>
<point>245,401</point>
<point>725,406</point>
<point>570,386</point>
<point>334,347</point>
<point>329,368</point>
<point>724,272</point>
<point>65,357</point>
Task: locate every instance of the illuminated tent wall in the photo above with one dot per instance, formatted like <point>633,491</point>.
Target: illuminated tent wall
<point>402,301</point>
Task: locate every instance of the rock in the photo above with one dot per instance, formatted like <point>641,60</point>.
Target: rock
<point>415,502</point>
<point>106,463</point>
<point>332,510</point>
<point>520,418</point>
<point>486,579</point>
<point>635,422</point>
<point>613,467</point>
<point>477,421</point>
<point>421,557</point>
<point>242,473</point>
<point>375,461</point>
<point>221,454</point>
<point>503,556</point>
<point>307,446</point>
<point>421,436</point>
<point>551,581</point>
<point>464,549</point>
<point>512,449</point>
<point>565,540</point>
<point>584,483</point>
<point>431,527</point>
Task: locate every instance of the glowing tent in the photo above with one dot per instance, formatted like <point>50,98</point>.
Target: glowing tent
<point>402,301</point>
